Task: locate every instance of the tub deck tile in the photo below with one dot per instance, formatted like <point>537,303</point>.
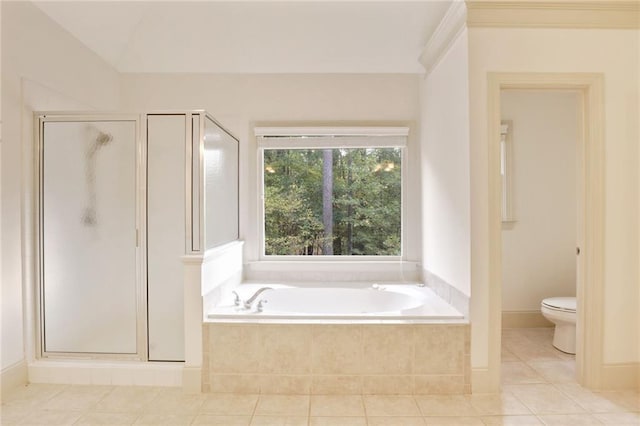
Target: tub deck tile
<point>337,359</point>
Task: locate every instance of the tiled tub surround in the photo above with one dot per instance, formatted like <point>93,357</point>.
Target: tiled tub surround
<point>447,292</point>
<point>340,359</point>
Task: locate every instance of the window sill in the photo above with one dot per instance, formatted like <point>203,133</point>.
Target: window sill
<point>334,269</point>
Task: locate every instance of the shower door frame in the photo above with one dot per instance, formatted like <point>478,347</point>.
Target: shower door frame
<point>40,118</point>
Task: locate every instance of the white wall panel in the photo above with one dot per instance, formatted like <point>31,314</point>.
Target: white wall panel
<point>29,40</point>
<point>538,249</point>
<point>165,235</point>
<point>445,168</point>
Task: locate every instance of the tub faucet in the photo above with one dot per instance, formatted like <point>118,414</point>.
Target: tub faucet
<point>236,298</point>
<point>249,301</point>
<point>260,306</point>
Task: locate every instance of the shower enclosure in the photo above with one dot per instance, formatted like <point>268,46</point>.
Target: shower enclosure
<point>121,198</point>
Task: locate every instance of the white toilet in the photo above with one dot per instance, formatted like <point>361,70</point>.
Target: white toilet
<point>562,312</point>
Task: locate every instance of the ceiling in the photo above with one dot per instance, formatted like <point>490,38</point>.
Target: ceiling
<point>253,36</point>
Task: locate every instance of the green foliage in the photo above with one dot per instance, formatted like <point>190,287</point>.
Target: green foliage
<point>366,202</point>
<point>291,227</point>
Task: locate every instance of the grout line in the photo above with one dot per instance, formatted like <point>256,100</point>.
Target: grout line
<point>255,408</point>
<point>364,409</point>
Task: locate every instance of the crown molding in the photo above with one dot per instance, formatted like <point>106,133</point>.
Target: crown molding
<point>451,26</point>
<point>602,14</point>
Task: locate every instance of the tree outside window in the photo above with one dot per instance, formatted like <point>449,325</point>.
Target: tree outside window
<point>333,201</point>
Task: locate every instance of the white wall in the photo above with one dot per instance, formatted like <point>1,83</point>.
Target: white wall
<point>538,249</point>
<point>239,102</point>
<point>444,123</point>
<point>43,67</point>
<point>615,54</point>
<point>1,200</point>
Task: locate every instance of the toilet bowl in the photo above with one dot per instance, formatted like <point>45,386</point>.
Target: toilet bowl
<point>562,312</point>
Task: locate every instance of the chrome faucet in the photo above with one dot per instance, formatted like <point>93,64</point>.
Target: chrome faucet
<point>260,306</point>
<point>236,298</point>
<point>249,301</point>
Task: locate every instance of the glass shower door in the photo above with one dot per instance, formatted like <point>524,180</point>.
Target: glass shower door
<point>88,237</point>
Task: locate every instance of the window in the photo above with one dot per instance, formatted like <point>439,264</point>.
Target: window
<point>332,192</point>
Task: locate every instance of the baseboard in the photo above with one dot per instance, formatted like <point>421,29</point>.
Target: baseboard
<point>82,372</point>
<point>192,379</point>
<point>482,381</point>
<point>13,376</point>
<point>621,376</point>
<point>524,319</point>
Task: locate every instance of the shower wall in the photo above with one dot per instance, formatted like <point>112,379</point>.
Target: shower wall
<point>221,183</point>
<point>166,234</point>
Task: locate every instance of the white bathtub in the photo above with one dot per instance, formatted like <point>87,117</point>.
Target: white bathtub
<point>352,302</point>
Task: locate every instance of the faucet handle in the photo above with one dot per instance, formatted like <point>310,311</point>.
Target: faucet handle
<point>236,300</point>
<point>261,304</point>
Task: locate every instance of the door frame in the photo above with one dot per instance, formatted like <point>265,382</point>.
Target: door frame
<point>590,262</point>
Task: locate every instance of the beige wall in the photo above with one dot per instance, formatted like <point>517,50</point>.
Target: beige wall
<point>1,192</point>
<point>444,123</point>
<point>43,67</point>
<point>538,249</point>
<point>238,102</point>
<point>614,53</point>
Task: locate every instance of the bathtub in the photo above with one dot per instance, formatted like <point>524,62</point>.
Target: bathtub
<point>336,338</point>
<point>335,303</point>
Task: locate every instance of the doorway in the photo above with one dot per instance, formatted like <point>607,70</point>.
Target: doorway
<point>589,236</point>
<point>540,138</point>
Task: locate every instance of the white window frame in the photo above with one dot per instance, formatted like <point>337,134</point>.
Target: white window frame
<point>325,138</point>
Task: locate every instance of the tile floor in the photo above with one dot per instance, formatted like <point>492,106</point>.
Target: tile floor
<point>538,389</point>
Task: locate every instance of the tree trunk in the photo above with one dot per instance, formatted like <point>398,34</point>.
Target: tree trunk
<point>327,200</point>
<point>349,206</point>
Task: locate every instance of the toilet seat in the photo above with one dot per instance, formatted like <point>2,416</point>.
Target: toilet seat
<point>563,304</point>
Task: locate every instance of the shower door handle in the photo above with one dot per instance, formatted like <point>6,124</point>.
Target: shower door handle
<point>577,251</point>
